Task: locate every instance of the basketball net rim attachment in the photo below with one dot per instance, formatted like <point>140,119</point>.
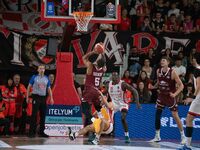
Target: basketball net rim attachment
<point>82,20</point>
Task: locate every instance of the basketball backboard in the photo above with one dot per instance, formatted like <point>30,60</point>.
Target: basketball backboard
<point>104,11</point>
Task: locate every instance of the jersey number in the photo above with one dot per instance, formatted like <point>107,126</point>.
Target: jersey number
<point>97,81</point>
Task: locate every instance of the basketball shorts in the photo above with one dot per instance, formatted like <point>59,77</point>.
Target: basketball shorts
<point>166,101</point>
<point>119,106</point>
<point>91,95</point>
<point>195,106</point>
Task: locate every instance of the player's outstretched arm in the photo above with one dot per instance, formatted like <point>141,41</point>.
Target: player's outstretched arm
<point>134,92</point>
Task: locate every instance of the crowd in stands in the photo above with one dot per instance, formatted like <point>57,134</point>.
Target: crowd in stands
<point>141,73</point>
<point>158,16</point>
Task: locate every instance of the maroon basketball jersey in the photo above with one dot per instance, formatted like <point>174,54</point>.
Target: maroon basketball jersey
<point>165,82</point>
<point>94,79</point>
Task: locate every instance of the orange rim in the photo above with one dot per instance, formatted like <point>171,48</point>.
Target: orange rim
<point>82,13</point>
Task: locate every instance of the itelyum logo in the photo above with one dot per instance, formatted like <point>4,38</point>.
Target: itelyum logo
<point>76,109</point>
<point>170,122</point>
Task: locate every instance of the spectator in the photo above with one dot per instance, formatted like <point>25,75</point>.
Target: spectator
<point>192,53</point>
<point>134,70</point>
<point>189,92</point>
<point>190,78</point>
<point>180,69</point>
<point>158,23</point>
<point>197,24</point>
<point>181,17</point>
<point>143,78</point>
<point>9,94</point>
<point>4,122</point>
<point>125,24</point>
<point>152,57</point>
<point>196,11</point>
<point>132,14</point>
<point>183,58</point>
<point>133,56</point>
<point>144,95</point>
<point>40,83</point>
<point>187,25</point>
<point>126,77</point>
<point>19,121</point>
<point>51,79</point>
<point>171,24</point>
<point>146,26</point>
<point>168,54</point>
<point>173,10</point>
<point>160,7</point>
<point>147,68</point>
<point>187,6</point>
<point>142,10</point>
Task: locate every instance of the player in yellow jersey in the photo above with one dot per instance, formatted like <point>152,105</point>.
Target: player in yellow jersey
<point>99,126</point>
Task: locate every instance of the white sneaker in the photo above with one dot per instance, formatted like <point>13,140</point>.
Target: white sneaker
<point>183,140</point>
<point>156,139</point>
<point>95,141</point>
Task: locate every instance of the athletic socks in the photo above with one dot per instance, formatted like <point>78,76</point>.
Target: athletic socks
<point>126,134</point>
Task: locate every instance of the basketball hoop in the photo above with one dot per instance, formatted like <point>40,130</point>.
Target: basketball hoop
<point>82,20</point>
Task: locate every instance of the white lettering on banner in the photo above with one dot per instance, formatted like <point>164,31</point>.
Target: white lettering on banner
<point>170,42</point>
<point>17,50</point>
<point>60,130</point>
<point>113,47</point>
<point>60,112</point>
<point>170,122</point>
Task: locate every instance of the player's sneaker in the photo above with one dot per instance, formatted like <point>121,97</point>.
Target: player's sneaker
<point>183,140</point>
<point>127,139</point>
<point>71,134</point>
<point>156,139</point>
<point>184,148</point>
<point>95,141</point>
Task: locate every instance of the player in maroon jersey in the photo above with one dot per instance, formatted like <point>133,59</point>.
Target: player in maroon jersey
<point>167,79</point>
<point>91,93</point>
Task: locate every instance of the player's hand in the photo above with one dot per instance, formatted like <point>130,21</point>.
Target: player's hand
<point>172,95</point>
<point>187,101</point>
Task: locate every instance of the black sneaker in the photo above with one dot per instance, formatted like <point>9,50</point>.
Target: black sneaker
<point>71,134</point>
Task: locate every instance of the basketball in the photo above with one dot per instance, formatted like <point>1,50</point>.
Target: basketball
<point>99,48</point>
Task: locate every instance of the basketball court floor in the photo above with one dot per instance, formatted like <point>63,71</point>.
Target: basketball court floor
<point>106,143</point>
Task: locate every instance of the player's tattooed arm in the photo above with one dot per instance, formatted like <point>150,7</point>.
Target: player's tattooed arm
<point>134,92</point>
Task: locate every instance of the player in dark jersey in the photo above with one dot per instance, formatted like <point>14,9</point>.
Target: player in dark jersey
<point>167,79</point>
<point>91,94</point>
<point>194,109</point>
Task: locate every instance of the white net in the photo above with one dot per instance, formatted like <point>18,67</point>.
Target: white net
<point>82,20</point>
